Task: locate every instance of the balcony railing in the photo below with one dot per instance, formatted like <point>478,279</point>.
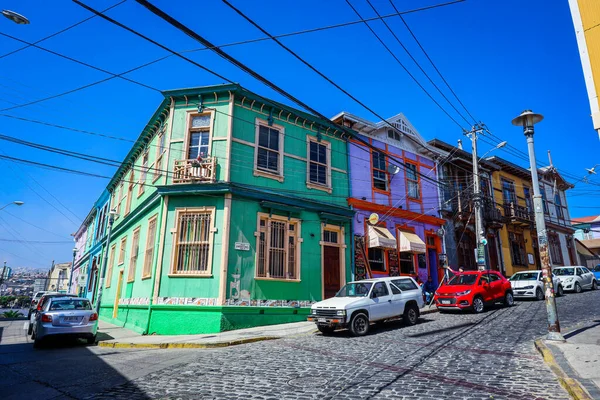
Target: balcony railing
<point>195,171</point>
<point>516,213</point>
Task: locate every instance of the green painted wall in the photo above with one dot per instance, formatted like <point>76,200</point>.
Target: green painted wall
<point>130,317</point>
<point>182,320</point>
<point>181,286</point>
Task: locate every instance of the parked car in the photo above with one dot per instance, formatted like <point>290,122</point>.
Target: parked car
<point>530,284</point>
<point>596,271</point>
<point>360,303</point>
<point>34,301</point>
<point>576,278</point>
<point>474,290</point>
<point>40,305</point>
<point>65,316</point>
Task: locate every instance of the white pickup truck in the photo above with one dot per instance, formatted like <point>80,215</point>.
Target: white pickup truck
<point>359,303</point>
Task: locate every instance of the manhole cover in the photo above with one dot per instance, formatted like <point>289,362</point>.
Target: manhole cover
<point>308,381</point>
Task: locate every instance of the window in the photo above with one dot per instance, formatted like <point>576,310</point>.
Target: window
<point>268,150</point>
<point>558,205</point>
<point>330,236</point>
<point>555,250</point>
<point>160,149</point>
<point>149,253</point>
<point>407,264</point>
<point>405,284</point>
<point>109,267</point>
<point>508,192</point>
<point>380,289</point>
<point>198,140</point>
<point>528,203</point>
<point>392,134</point>
<point>517,249</point>
<point>485,187</point>
<point>133,257</point>
<point>278,248</point>
<point>544,200</point>
<point>122,250</point>
<point>395,289</point>
<point>120,197</point>
<point>318,169</point>
<point>143,174</point>
<point>412,181</point>
<point>129,192</point>
<point>377,259</point>
<point>193,242</point>
<point>380,179</point>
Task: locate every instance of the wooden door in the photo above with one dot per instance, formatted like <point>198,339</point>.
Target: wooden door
<point>331,271</point>
<point>493,253</point>
<point>118,294</point>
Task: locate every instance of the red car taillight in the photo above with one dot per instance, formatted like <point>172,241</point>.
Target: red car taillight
<point>46,318</point>
<point>93,317</point>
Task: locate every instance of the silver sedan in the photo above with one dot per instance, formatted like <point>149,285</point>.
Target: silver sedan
<point>65,316</point>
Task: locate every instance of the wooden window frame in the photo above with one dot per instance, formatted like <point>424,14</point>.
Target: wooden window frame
<point>189,130</point>
<point>150,245</point>
<point>211,242</point>
<point>555,248</point>
<point>120,196</point>
<point>522,250</point>
<point>134,254</point>
<point>143,173</point>
<point>111,262</point>
<point>122,250</point>
<point>410,181</point>
<point>512,183</point>
<point>160,150</point>
<point>130,192</point>
<point>266,230</point>
<point>316,185</point>
<point>385,171</point>
<point>279,175</point>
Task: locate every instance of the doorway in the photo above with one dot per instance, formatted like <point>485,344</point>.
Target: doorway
<point>118,294</point>
<point>433,268</point>
<point>331,271</point>
<point>493,253</point>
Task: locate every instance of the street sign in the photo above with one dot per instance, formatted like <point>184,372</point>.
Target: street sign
<point>81,280</point>
<point>242,246</point>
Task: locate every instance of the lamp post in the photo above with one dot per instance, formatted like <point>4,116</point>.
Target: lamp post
<point>477,200</point>
<point>16,203</point>
<point>527,119</point>
<point>15,17</point>
<point>72,267</point>
<point>111,220</point>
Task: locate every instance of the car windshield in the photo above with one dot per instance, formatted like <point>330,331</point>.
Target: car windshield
<point>463,280</point>
<point>70,304</point>
<point>597,268</point>
<point>524,276</point>
<point>358,289</point>
<point>564,271</point>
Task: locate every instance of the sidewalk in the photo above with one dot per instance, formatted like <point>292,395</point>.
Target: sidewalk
<point>576,362</point>
<point>118,337</point>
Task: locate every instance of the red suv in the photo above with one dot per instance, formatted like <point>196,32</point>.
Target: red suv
<point>473,290</point>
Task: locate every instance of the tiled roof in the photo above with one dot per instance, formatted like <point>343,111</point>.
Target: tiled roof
<point>583,220</point>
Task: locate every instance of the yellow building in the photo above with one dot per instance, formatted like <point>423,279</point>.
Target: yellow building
<point>513,193</point>
<point>586,20</point>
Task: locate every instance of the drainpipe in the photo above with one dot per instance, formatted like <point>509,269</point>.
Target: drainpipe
<point>159,255</point>
<point>352,266</point>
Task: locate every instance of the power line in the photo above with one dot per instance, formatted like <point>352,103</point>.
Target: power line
<point>33,225</point>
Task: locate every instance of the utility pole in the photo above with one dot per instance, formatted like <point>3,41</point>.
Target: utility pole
<point>527,119</point>
<point>111,220</point>
<point>72,267</point>
<point>477,200</point>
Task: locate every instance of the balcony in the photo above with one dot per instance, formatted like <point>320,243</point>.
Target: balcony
<point>492,215</point>
<point>195,171</point>
<point>517,215</point>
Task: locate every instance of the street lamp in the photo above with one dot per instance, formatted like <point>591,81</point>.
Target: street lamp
<point>498,146</point>
<point>16,203</point>
<point>15,17</point>
<point>527,119</point>
<point>111,219</point>
<point>592,170</point>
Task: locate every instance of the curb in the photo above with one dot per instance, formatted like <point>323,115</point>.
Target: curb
<point>122,345</point>
<point>572,386</point>
<point>430,311</point>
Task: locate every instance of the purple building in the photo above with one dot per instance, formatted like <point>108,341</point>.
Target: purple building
<point>396,199</point>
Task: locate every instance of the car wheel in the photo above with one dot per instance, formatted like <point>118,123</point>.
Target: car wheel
<point>509,300</point>
<point>91,339</point>
<point>37,343</point>
<point>30,329</point>
<point>594,285</point>
<point>478,305</point>
<point>577,287</point>
<point>560,291</point>
<point>411,315</point>
<point>539,294</point>
<point>359,325</point>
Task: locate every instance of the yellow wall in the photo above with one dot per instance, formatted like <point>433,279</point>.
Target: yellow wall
<point>590,18</point>
<point>506,256</point>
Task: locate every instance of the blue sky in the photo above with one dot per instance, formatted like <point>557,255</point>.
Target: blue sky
<point>500,57</point>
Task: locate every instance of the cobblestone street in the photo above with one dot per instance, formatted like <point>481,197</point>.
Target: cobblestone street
<point>447,356</point>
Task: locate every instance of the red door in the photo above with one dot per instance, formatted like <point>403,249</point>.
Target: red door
<point>331,271</point>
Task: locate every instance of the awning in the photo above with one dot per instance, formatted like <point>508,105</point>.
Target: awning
<point>582,249</point>
<point>381,237</point>
<point>411,243</point>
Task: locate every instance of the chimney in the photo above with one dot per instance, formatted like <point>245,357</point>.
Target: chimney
<point>460,144</point>
<point>550,159</point>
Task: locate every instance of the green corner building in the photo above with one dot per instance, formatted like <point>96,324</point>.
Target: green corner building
<point>231,213</point>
